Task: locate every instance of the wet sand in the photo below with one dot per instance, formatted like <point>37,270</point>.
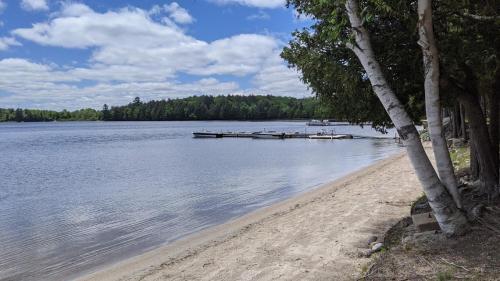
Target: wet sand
<point>314,236</point>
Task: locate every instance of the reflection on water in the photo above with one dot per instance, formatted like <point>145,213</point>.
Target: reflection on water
<point>76,196</point>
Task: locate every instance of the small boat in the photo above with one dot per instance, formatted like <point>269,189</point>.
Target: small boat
<point>330,137</point>
<point>237,134</point>
<point>207,135</point>
<point>318,123</point>
<point>296,135</point>
<point>269,135</point>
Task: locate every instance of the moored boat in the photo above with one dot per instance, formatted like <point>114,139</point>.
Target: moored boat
<point>207,135</point>
<point>318,123</point>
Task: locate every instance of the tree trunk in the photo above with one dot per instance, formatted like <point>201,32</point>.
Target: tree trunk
<point>474,165</point>
<point>494,104</point>
<point>455,121</point>
<point>463,128</point>
<point>449,217</point>
<point>432,102</point>
<point>457,124</point>
<point>482,144</point>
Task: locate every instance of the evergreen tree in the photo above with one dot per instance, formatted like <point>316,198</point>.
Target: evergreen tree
<point>106,114</point>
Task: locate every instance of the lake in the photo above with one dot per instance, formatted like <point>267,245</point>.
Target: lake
<point>75,196</point>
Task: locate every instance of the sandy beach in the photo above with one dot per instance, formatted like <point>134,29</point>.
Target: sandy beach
<point>315,236</point>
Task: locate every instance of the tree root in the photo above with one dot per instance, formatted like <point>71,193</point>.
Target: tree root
<point>455,265</point>
<point>488,225</point>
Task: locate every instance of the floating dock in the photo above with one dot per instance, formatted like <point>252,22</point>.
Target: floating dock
<point>330,137</point>
<point>271,135</point>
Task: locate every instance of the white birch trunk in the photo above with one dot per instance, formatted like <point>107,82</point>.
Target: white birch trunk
<point>450,219</point>
<point>432,101</point>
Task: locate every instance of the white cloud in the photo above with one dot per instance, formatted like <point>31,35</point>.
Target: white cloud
<point>135,53</point>
<point>178,14</point>
<point>261,15</point>
<point>51,87</point>
<point>254,3</point>
<point>171,14</point>
<point>276,78</point>
<point>130,37</point>
<point>3,5</point>
<point>14,70</point>
<point>80,27</point>
<point>238,55</point>
<point>70,9</point>
<point>34,5</point>
<point>6,42</point>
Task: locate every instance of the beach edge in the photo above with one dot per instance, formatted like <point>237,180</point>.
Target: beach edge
<point>192,244</point>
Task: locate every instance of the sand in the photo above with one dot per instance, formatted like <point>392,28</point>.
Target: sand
<point>315,236</point>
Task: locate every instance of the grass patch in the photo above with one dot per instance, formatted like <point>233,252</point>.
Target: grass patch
<point>460,157</point>
<point>364,269</point>
<point>444,276</point>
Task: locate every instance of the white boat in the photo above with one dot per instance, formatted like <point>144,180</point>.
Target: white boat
<point>318,123</point>
<point>330,137</point>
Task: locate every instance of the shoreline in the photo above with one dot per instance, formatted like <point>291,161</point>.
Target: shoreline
<point>192,246</point>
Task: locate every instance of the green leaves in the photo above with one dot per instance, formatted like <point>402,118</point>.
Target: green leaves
<point>334,73</point>
<point>366,16</point>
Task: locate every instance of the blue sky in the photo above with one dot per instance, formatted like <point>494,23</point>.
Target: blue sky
<point>73,54</point>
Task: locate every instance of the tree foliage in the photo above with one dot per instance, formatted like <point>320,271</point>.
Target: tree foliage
<point>191,108</point>
<point>334,73</point>
<point>38,115</point>
<point>220,108</point>
<point>468,39</point>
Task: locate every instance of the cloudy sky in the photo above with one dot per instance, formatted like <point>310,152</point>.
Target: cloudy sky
<point>71,54</point>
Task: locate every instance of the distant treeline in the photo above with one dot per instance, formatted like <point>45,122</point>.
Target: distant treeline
<point>191,108</point>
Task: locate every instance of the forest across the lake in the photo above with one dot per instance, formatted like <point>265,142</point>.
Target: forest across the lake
<point>190,108</point>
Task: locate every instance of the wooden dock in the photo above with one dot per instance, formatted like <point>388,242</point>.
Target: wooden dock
<point>271,135</point>
<point>330,137</point>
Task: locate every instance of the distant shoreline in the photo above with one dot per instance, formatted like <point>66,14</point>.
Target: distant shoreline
<point>189,108</point>
<point>208,120</point>
<point>343,123</point>
<point>233,249</point>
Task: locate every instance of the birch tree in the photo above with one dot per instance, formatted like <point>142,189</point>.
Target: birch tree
<point>432,100</point>
<point>449,217</point>
<point>341,23</point>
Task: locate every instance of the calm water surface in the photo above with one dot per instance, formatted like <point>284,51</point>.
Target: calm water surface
<point>79,195</point>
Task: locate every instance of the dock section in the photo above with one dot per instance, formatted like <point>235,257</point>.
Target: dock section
<point>271,135</point>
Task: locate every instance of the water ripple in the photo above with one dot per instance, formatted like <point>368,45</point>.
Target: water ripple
<point>76,196</point>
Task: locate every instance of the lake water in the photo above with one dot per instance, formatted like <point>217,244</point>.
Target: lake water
<point>76,196</point>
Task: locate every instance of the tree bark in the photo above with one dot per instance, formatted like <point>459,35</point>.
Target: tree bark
<point>482,145</point>
<point>455,121</point>
<point>463,128</point>
<point>494,106</point>
<point>474,165</point>
<point>449,217</point>
<point>432,100</point>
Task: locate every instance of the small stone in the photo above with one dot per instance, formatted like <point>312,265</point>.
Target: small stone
<point>364,253</point>
<point>377,247</point>
<point>372,239</point>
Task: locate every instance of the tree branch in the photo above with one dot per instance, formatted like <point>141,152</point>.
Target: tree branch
<point>478,17</point>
